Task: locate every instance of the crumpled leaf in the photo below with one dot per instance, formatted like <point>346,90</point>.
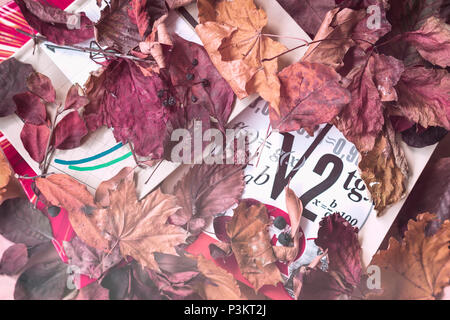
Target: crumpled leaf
<point>41,85</point>
<point>90,261</point>
<point>251,245</point>
<point>311,94</point>
<point>308,14</point>
<point>232,34</point>
<point>216,97</point>
<point>21,223</point>
<point>371,81</point>
<point>93,291</point>
<point>10,187</point>
<point>337,24</point>
<point>423,97</point>
<point>173,4</point>
<point>417,138</point>
<point>384,170</point>
<point>69,131</point>
<point>102,194</point>
<point>13,259</point>
<point>123,98</point>
<point>147,13</point>
<point>206,190</point>
<point>34,139</point>
<point>417,267</point>
<point>221,285</point>
<point>63,191</point>
<point>13,75</point>
<point>44,280</point>
<point>116,28</point>
<point>56,25</point>
<point>75,98</point>
<point>340,240</point>
<point>30,108</point>
<point>432,41</point>
<point>140,228</point>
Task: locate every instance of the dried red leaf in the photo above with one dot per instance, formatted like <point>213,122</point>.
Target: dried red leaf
<point>75,98</point>
<point>69,131</point>
<point>56,25</point>
<point>146,13</point>
<point>432,41</point>
<point>13,75</point>
<point>14,259</point>
<point>220,231</point>
<point>41,86</point>
<point>423,97</point>
<point>30,108</point>
<point>34,139</point>
<point>344,251</point>
<point>311,94</point>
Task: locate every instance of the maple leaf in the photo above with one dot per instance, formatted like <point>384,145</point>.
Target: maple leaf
<point>432,41</point>
<point>206,190</point>
<point>13,75</point>
<point>423,97</point>
<point>64,191</point>
<point>340,240</point>
<point>102,194</point>
<point>10,187</point>
<point>250,242</point>
<point>417,267</point>
<point>13,259</point>
<point>56,25</point>
<point>90,261</point>
<point>311,94</point>
<point>371,82</point>
<point>384,170</point>
<point>140,228</point>
<point>231,32</point>
<point>308,14</point>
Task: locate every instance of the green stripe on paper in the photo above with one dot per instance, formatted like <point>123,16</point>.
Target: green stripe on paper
<point>100,166</point>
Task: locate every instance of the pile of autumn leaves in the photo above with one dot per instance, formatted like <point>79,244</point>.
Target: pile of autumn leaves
<point>354,76</point>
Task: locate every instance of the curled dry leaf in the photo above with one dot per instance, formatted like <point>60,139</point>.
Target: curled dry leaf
<point>335,30</point>
<point>69,131</point>
<point>220,285</point>
<point>140,228</point>
<point>116,28</point>
<point>30,108</point>
<point>90,261</point>
<point>21,223</point>
<point>423,97</point>
<point>63,191</point>
<point>371,81</point>
<point>13,259</point>
<point>232,34</point>
<point>56,25</point>
<point>10,187</point>
<point>419,266</point>
<point>147,14</point>
<point>419,138</point>
<point>13,75</point>
<point>41,86</point>
<point>75,98</point>
<point>250,242</point>
<point>384,170</point>
<point>102,194</point>
<point>432,41</point>
<point>207,190</point>
<point>311,94</point>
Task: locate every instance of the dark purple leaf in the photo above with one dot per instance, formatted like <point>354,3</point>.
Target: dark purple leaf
<point>30,108</point>
<point>14,259</point>
<point>417,138</point>
<point>220,230</point>
<point>69,132</point>
<point>34,139</point>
